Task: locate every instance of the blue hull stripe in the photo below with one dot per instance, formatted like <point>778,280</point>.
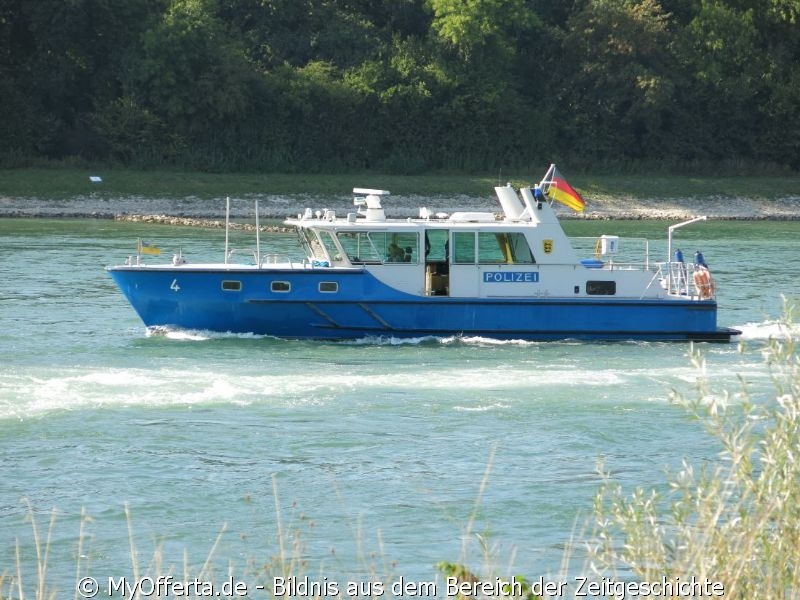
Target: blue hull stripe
<point>364,306</point>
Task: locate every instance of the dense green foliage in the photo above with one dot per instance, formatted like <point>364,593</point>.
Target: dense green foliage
<point>400,85</point>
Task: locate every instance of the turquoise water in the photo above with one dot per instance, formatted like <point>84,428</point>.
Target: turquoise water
<point>371,454</point>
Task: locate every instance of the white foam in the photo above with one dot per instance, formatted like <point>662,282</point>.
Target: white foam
<point>482,407</point>
<point>303,374</point>
<point>769,330</point>
<point>193,335</point>
<point>56,389</point>
<point>196,335</point>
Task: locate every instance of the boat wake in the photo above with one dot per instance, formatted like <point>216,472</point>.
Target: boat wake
<point>457,341</point>
<point>198,335</point>
<point>202,335</point>
<point>432,340</point>
<point>454,341</point>
<point>769,330</point>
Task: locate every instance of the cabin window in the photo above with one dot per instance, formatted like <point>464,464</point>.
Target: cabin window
<point>504,248</point>
<point>380,246</point>
<point>519,248</point>
<point>601,288</point>
<point>311,243</point>
<point>231,286</point>
<point>358,247</point>
<point>330,245</point>
<point>464,247</point>
<point>329,287</point>
<point>437,245</point>
<point>397,247</point>
<point>281,286</point>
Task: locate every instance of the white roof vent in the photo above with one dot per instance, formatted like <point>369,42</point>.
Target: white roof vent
<point>472,217</point>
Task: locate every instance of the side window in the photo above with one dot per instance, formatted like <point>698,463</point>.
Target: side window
<point>520,250</point>
<point>464,247</point>
<point>399,247</point>
<point>490,250</point>
<point>358,247</point>
<point>504,247</point>
<point>601,288</point>
<point>281,286</point>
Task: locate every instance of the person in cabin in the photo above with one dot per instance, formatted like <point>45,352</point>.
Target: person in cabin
<point>396,253</point>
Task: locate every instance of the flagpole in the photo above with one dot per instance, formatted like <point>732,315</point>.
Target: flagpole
<point>547,181</point>
<point>227,224</point>
<point>549,175</point>
<point>258,239</point>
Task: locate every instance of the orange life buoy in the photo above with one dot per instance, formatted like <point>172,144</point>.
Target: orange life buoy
<point>703,283</point>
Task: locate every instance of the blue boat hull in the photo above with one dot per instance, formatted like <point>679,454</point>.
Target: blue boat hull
<point>363,306</point>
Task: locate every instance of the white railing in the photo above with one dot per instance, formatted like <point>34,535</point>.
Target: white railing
<point>629,253</point>
<point>681,279</point>
<point>275,259</point>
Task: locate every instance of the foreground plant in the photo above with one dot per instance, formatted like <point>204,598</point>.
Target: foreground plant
<point>735,521</point>
<point>152,574</point>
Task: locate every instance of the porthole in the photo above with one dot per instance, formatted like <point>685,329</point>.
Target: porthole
<point>329,287</point>
<point>231,286</point>
<point>281,286</point>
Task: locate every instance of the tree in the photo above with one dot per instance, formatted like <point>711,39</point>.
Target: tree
<point>297,32</point>
<point>616,80</point>
<point>63,58</point>
<point>482,32</point>
<point>193,76</point>
<point>724,83</point>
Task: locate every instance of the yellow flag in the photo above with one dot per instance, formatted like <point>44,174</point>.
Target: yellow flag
<point>145,248</point>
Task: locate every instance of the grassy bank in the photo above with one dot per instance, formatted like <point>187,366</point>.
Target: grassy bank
<point>60,183</point>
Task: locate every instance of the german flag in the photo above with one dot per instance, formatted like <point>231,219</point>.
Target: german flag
<point>558,189</point>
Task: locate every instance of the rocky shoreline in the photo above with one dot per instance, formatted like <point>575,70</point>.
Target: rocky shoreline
<point>210,212</point>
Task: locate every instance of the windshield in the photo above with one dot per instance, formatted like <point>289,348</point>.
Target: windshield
<point>311,244</point>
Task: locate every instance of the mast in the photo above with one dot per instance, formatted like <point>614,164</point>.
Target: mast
<point>227,224</point>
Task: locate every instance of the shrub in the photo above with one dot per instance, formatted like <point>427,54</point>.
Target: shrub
<point>736,520</point>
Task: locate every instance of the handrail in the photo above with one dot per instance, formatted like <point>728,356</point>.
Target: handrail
<point>672,228</point>
<point>680,279</point>
<point>275,258</point>
<point>633,250</point>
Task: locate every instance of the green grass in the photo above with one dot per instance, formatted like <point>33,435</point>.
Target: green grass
<point>60,183</point>
<point>665,186</point>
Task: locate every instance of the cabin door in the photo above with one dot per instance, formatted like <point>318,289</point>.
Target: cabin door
<point>465,275</point>
<point>437,262</point>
